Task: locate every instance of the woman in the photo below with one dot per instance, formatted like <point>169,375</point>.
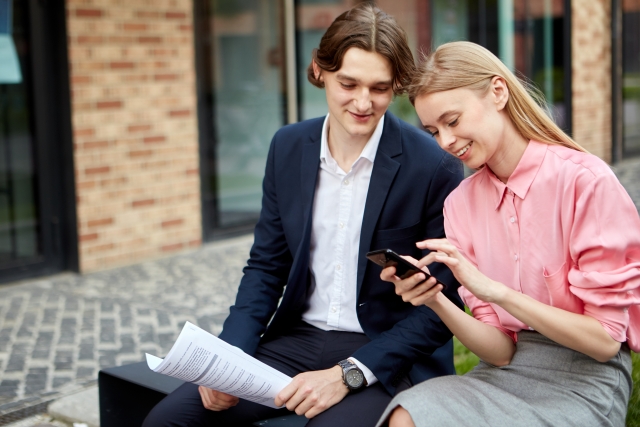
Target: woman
<point>546,245</point>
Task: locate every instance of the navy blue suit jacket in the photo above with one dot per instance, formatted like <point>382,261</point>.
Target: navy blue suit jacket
<point>410,180</point>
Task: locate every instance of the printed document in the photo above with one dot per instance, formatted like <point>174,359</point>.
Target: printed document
<point>204,359</point>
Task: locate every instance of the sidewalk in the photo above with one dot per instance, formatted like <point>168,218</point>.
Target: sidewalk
<point>57,332</point>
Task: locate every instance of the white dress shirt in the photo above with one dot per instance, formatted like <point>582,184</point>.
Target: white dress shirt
<point>338,209</point>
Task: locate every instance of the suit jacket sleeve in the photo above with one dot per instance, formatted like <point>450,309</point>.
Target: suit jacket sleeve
<point>266,272</point>
<point>391,355</point>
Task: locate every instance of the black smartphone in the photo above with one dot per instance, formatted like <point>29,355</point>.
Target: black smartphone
<point>387,258</point>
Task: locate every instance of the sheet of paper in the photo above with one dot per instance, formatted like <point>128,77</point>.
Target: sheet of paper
<point>204,359</point>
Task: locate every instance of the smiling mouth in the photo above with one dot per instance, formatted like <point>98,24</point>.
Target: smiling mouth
<point>464,149</point>
<point>360,116</point>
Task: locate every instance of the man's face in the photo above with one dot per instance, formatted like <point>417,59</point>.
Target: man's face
<point>358,94</point>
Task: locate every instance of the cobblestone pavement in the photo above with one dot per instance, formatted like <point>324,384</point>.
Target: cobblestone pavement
<point>57,332</point>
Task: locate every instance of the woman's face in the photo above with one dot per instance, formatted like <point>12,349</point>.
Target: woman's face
<point>467,124</point>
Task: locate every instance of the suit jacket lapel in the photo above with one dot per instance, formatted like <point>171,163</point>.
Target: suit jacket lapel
<point>384,171</point>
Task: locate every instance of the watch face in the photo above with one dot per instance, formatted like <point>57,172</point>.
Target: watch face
<point>354,378</point>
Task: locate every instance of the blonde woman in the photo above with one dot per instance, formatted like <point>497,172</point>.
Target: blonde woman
<point>546,245</point>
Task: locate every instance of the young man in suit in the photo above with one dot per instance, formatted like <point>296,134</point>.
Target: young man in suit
<point>335,188</point>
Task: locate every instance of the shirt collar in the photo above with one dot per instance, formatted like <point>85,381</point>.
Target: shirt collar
<point>368,152</point>
<point>522,177</point>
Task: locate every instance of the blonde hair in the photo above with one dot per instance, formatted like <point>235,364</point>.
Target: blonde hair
<point>465,64</point>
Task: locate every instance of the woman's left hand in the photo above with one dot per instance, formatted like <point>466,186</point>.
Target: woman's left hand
<point>466,273</point>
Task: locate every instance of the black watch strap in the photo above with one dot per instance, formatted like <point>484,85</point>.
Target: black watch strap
<point>352,376</point>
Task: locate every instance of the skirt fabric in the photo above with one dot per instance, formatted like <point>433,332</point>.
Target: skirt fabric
<point>545,384</point>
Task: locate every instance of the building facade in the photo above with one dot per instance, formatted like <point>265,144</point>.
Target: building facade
<point>135,129</point>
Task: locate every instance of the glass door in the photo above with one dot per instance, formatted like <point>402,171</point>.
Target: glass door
<point>241,89</point>
<point>33,148</point>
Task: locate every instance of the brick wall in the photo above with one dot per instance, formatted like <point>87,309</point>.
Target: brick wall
<point>591,75</point>
<point>135,131</point>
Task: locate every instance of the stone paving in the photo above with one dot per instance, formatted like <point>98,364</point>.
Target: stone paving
<point>57,332</point>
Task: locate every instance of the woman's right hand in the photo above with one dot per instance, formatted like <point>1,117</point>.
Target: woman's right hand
<point>413,289</point>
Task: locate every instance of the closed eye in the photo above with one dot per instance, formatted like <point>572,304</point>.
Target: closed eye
<point>454,123</point>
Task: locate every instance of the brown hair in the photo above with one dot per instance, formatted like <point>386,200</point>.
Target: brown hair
<point>465,64</point>
<point>368,28</point>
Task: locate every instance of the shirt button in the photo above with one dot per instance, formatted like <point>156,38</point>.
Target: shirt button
<point>512,219</point>
<point>333,309</point>
<point>341,225</point>
<point>338,267</point>
<point>346,182</point>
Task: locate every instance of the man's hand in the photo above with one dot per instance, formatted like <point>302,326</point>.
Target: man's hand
<point>216,400</point>
<point>311,393</point>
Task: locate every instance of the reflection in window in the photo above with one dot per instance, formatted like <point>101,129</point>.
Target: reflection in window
<point>245,57</point>
<point>19,229</point>
<point>631,76</point>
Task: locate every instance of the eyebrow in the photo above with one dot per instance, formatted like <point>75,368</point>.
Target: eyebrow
<point>353,79</point>
<point>445,114</point>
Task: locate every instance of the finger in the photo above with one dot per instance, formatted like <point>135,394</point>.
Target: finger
<point>403,286</point>
<point>419,289</point>
<point>427,243</point>
<point>286,393</point>
<point>388,274</point>
<point>428,295</point>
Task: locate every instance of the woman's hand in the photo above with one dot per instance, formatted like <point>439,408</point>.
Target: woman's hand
<point>413,289</point>
<point>466,273</point>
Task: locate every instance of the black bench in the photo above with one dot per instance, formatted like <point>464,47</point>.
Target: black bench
<point>127,394</point>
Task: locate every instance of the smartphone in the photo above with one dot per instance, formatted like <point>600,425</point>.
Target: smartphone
<point>387,258</point>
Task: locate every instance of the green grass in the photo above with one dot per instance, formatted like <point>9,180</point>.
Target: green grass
<point>464,361</point>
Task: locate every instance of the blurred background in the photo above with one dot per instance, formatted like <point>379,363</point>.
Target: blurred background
<point>130,130</point>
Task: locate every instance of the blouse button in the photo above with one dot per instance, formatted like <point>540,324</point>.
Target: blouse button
<point>625,309</point>
<point>515,257</point>
<point>512,219</point>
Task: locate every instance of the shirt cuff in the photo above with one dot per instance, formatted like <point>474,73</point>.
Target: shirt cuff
<point>371,379</point>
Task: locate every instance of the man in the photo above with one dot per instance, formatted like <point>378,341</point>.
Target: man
<point>334,189</point>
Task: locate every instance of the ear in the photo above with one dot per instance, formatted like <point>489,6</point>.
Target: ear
<point>500,92</point>
<point>316,71</point>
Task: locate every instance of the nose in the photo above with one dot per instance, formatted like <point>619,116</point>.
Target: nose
<point>362,100</point>
<point>447,139</point>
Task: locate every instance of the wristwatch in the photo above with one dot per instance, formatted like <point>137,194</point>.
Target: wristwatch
<point>352,376</point>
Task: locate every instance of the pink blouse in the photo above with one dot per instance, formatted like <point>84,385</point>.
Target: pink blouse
<point>562,230</point>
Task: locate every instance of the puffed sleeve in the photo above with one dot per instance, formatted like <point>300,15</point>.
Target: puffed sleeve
<point>481,310</point>
<point>605,247</point>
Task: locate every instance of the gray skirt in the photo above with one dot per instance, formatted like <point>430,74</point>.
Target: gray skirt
<point>546,384</point>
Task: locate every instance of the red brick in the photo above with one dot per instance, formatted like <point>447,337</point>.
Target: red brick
<point>154,139</point>
<point>172,247</point>
<point>140,153</point>
<point>180,113</point>
<point>134,27</point>
<point>90,39</point>
<point>175,15</point>
<point>122,65</point>
<point>172,222</point>
<point>195,242</point>
<point>97,170</point>
<point>84,132</point>
<point>89,13</point>
<point>81,79</point>
<point>95,144</point>
<point>147,14</point>
<point>188,28</point>
<point>88,237</point>
<point>99,222</point>
<point>138,128</point>
<point>108,104</point>
<point>142,203</point>
<point>150,39</point>
<point>194,171</point>
<point>166,77</point>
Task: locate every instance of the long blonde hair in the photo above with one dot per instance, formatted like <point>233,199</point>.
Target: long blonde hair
<point>465,64</point>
